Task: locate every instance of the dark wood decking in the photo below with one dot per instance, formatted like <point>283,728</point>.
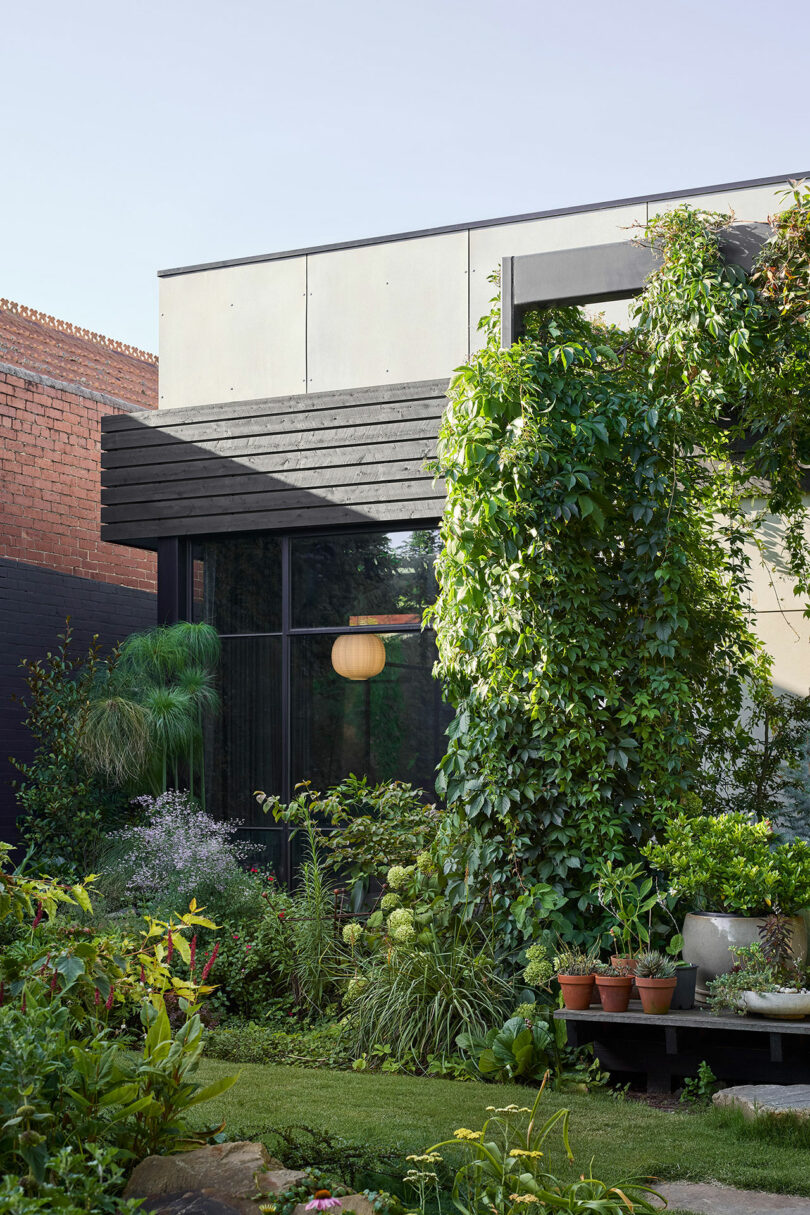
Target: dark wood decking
<point>669,1048</point>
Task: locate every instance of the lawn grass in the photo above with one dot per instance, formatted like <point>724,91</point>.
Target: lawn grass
<point>406,1115</point>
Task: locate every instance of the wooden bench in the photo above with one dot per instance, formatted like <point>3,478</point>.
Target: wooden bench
<point>669,1048</point>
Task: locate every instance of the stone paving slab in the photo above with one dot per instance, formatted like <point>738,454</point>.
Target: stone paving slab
<point>774,1099</point>
<point>723,1200</point>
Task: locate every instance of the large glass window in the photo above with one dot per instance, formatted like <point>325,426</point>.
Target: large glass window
<point>290,710</point>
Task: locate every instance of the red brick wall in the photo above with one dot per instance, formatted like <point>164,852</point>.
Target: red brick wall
<point>49,481</point>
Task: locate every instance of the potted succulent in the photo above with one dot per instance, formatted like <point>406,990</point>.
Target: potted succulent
<point>732,873</point>
<point>575,974</point>
<point>614,984</point>
<point>766,978</point>
<point>656,981</point>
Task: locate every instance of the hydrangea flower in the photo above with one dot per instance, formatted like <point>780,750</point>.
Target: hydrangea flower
<point>352,932</point>
<point>398,917</point>
<point>355,988</point>
<point>398,875</point>
<point>426,864</point>
<point>389,901</point>
<point>403,934</point>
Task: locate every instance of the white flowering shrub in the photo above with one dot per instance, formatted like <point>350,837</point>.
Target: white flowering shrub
<point>178,851</point>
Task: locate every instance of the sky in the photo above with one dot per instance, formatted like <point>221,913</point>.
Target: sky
<point>142,136</point>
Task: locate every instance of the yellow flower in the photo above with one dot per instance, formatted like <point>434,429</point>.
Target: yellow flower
<point>429,1158</point>
<point>523,1152</point>
<point>508,1109</point>
<point>463,1133</point>
<point>523,1198</point>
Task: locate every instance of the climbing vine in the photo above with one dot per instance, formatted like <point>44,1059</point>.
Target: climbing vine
<point>593,622</point>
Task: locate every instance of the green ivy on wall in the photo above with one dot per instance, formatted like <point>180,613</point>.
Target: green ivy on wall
<point>593,625</point>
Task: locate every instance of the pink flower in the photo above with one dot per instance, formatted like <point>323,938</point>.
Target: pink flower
<point>193,954</point>
<point>171,948</point>
<point>209,964</point>
<point>108,1004</point>
<point>38,916</point>
<point>322,1201</point>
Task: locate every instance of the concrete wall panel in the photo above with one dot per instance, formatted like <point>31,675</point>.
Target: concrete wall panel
<point>233,334</point>
<point>489,245</point>
<point>387,313</point>
<point>756,203</point>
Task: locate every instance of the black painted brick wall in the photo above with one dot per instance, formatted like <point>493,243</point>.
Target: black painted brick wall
<point>34,602</point>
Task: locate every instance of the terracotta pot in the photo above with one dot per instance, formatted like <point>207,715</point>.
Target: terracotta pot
<point>576,990</point>
<point>656,994</point>
<point>614,992</point>
<point>624,960</point>
<point>708,936</point>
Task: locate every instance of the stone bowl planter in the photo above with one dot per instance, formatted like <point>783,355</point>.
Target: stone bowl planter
<point>708,937</point>
<point>656,994</point>
<point>786,1005</point>
<point>614,992</point>
<point>576,990</point>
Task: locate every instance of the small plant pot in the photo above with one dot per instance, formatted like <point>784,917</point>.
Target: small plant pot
<point>614,992</point>
<point>576,991</point>
<point>656,994</point>
<point>624,961</point>
<point>686,979</point>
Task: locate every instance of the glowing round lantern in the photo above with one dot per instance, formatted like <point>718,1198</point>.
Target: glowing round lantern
<point>358,655</point>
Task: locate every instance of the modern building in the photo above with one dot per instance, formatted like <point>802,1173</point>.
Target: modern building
<point>56,382</point>
<point>282,480</point>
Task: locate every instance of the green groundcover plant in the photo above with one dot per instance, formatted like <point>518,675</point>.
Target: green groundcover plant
<point>593,623</point>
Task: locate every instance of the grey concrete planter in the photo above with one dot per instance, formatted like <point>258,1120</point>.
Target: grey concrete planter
<point>708,937</point>
<point>787,1005</point>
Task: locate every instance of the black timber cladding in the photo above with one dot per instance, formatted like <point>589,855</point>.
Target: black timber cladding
<point>320,459</point>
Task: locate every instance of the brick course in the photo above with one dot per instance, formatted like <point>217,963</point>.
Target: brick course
<point>50,443</point>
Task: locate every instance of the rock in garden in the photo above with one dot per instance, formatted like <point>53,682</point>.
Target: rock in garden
<point>276,1180</point>
<point>349,1202</point>
<point>199,1202</point>
<point>225,1168</point>
<point>754,1100</point>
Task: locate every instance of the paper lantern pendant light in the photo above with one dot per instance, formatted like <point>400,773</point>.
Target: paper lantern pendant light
<point>358,655</point>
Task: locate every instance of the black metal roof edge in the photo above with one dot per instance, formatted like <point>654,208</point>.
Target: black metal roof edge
<point>751,183</point>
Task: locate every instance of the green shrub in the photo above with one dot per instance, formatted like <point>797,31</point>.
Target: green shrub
<point>66,812</point>
<point>252,1042</point>
<point>732,864</point>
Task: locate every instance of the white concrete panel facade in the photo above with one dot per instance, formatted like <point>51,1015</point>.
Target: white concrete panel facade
<point>387,313</point>
<point>399,309</point>
<point>233,334</point>
<point>489,245</point>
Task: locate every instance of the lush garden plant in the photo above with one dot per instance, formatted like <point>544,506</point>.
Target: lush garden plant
<point>507,1169</point>
<point>593,623</point>
<point>65,809</point>
<point>733,864</point>
<point>72,1101</point>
